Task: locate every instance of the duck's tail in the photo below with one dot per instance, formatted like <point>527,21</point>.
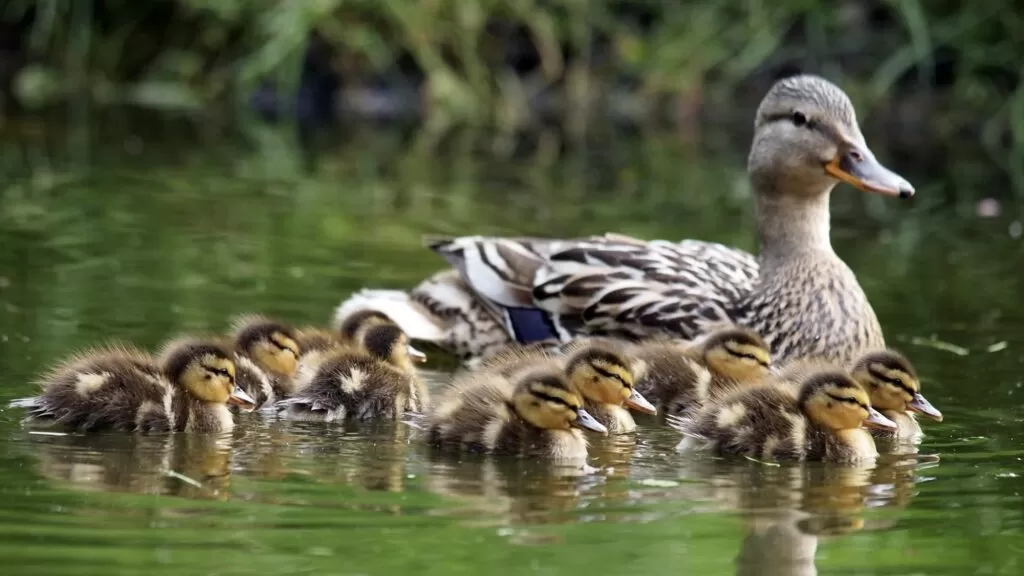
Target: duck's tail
<point>417,321</point>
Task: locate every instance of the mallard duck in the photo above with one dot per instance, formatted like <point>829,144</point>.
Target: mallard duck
<point>533,413</point>
<point>123,388</point>
<point>360,385</point>
<point>600,369</point>
<point>797,293</point>
<point>820,419</point>
<point>681,376</point>
<point>272,347</point>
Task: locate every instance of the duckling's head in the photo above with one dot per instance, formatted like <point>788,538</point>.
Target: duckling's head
<point>603,376</point>
<point>806,135</point>
<point>389,343</point>
<point>892,384</point>
<point>834,400</point>
<point>205,370</point>
<point>271,344</point>
<point>353,327</point>
<point>737,354</point>
<point>549,402</point>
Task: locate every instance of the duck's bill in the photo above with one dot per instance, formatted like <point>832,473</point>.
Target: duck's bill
<point>636,401</point>
<point>859,168</point>
<point>416,354</point>
<point>879,422</point>
<point>920,405</point>
<point>585,420</point>
<point>241,399</point>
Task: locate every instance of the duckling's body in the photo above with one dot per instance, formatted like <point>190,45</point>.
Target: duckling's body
<point>254,381</point>
<point>680,377</point>
<point>272,348</point>
<point>819,420</point>
<point>122,388</point>
<point>371,383</point>
<point>532,413</point>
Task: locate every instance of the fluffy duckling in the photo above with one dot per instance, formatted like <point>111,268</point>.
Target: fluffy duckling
<point>273,348</point>
<point>536,412</point>
<point>681,377</point>
<point>352,327</point>
<point>895,391</point>
<point>123,388</point>
<point>598,367</point>
<point>360,385</point>
<point>819,420</point>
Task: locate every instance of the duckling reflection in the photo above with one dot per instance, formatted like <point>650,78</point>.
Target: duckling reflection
<point>496,492</point>
<point>188,465</point>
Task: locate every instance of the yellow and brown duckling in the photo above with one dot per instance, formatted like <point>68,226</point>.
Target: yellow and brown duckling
<point>536,412</point>
<point>895,391</point>
<point>123,388</point>
<point>821,419</point>
<point>350,330</point>
<point>599,368</point>
<point>272,347</point>
<point>371,383</point>
<point>679,378</point>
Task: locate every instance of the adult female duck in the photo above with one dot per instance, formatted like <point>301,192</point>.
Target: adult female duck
<point>796,293</point>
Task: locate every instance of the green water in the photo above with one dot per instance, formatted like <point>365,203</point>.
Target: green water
<point>110,235</point>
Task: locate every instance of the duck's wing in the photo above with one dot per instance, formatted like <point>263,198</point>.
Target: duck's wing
<point>610,284</point>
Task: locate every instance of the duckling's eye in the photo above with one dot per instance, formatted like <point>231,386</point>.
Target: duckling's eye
<point>847,400</point>
<point>896,382</point>
<point>749,356</point>
<point>218,371</point>
<point>799,119</point>
<point>556,400</point>
<point>611,376</point>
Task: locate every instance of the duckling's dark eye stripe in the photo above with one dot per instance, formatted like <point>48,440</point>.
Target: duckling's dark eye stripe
<point>220,371</point>
<point>892,381</point>
<point>847,400</point>
<point>747,355</point>
<point>611,375</point>
<point>554,399</point>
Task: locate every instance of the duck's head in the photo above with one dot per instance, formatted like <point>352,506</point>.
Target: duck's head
<point>806,134</point>
<point>603,376</point>
<point>548,401</point>
<point>892,384</point>
<point>836,402</point>
<point>389,343</point>
<point>205,370</point>
<point>355,324</point>
<point>737,354</point>
<point>271,344</point>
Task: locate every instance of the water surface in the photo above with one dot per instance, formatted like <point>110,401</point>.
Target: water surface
<point>115,235</point>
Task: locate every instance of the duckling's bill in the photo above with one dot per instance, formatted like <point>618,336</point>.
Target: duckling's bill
<point>878,421</point>
<point>416,354</point>
<point>858,167</point>
<point>585,420</point>
<point>636,401</point>
<point>922,406</point>
<point>241,399</point>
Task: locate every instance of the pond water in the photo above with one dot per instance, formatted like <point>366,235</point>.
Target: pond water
<point>115,235</point>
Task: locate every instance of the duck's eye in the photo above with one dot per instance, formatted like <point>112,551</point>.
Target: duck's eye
<point>799,119</point>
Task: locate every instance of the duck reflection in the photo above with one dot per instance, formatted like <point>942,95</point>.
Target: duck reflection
<point>188,465</point>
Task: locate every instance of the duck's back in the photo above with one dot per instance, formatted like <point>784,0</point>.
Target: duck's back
<point>112,388</point>
<point>763,422</point>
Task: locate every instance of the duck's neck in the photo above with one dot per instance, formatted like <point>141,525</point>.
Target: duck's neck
<point>792,222</point>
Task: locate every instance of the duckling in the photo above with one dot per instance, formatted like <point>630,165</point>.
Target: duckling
<point>680,377</point>
<point>272,347</point>
<point>536,412</point>
<point>357,385</point>
<point>599,369</point>
<point>351,328</point>
<point>895,391</point>
<point>819,420</point>
<point>122,388</point>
